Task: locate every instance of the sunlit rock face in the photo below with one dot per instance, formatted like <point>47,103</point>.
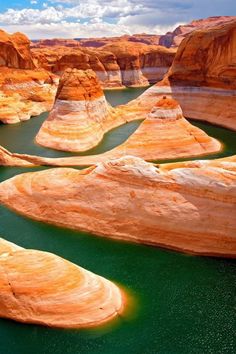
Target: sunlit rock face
<point>80,116</point>
<point>117,63</point>
<point>187,206</point>
<point>201,78</point>
<point>41,288</point>
<point>164,134</point>
<point>25,91</point>
<point>15,51</point>
<point>173,39</point>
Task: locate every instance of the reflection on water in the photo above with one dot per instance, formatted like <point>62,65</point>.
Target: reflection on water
<point>181,304</point>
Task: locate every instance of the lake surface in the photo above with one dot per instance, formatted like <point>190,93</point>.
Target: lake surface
<point>180,303</point>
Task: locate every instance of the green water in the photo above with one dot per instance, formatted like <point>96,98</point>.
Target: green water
<point>182,304</point>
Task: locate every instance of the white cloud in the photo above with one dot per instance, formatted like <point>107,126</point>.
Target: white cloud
<point>77,18</point>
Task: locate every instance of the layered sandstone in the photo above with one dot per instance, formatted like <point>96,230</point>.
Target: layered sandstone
<point>117,64</point>
<point>173,39</point>
<point>164,134</point>
<point>201,78</point>
<point>80,116</point>
<point>188,207</point>
<point>25,93</point>
<point>24,90</point>
<point>15,51</point>
<point>42,288</point>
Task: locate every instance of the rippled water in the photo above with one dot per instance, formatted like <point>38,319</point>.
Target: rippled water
<point>180,303</point>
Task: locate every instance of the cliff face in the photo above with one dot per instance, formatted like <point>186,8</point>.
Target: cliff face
<point>117,64</point>
<point>24,90</point>
<point>201,78</point>
<point>80,115</point>
<point>25,93</point>
<point>168,206</point>
<point>42,288</point>
<point>173,39</point>
<point>15,51</point>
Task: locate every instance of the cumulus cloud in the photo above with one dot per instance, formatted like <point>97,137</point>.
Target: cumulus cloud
<point>75,18</point>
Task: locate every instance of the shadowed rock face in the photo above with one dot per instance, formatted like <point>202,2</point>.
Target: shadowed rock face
<point>80,116</point>
<point>201,78</point>
<point>42,288</point>
<point>133,200</point>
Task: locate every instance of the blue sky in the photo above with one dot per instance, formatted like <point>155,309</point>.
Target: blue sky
<point>96,18</point>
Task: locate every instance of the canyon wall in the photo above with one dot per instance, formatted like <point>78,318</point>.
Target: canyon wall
<point>174,38</point>
<point>117,64</point>
<point>25,90</point>
<point>201,78</point>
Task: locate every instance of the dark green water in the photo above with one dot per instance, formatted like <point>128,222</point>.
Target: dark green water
<point>183,304</point>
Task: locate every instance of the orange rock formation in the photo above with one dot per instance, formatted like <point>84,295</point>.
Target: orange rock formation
<point>164,134</point>
<point>15,51</point>
<point>42,288</point>
<point>25,93</point>
<point>24,90</point>
<point>117,64</point>
<point>201,78</point>
<point>80,116</point>
<point>188,207</point>
<point>173,39</point>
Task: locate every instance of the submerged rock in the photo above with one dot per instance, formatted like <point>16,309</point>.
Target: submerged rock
<point>187,206</point>
<point>42,288</point>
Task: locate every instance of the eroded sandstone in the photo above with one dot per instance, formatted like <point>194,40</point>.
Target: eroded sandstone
<point>42,288</point>
<point>187,206</point>
<point>80,116</point>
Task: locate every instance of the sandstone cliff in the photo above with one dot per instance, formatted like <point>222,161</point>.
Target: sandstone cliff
<point>25,91</point>
<point>201,78</point>
<point>117,64</point>
<point>173,39</point>
<point>188,207</point>
<point>15,51</point>
<point>42,288</point>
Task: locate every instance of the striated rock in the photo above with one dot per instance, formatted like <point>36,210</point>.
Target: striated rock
<point>201,78</point>
<point>140,64</point>
<point>117,64</point>
<point>25,93</point>
<point>9,159</point>
<point>80,116</point>
<point>42,288</point>
<point>15,51</point>
<point>188,207</point>
<point>173,39</point>
<point>24,90</point>
<point>164,134</point>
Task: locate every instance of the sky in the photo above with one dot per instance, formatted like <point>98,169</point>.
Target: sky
<point>98,18</point>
